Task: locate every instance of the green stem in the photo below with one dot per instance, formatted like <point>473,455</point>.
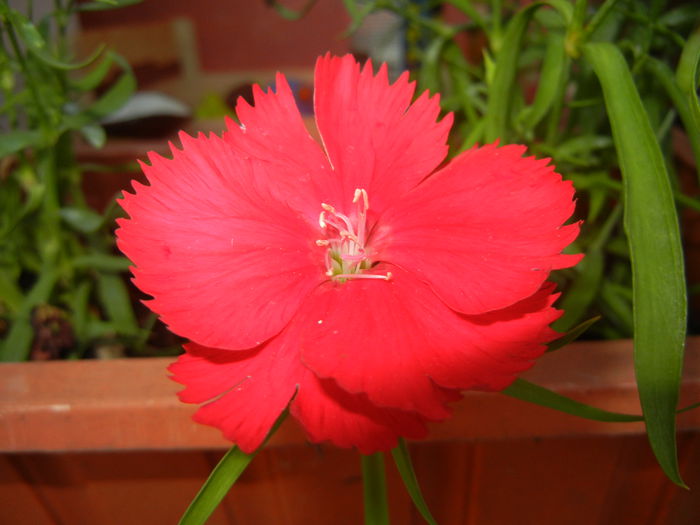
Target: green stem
<point>221,480</point>
<point>28,74</point>
<point>216,487</point>
<point>496,25</point>
<point>374,478</point>
<point>598,18</point>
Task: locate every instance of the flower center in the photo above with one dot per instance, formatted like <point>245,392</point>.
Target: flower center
<point>346,255</point>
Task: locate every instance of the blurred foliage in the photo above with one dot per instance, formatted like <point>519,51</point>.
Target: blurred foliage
<point>63,288</point>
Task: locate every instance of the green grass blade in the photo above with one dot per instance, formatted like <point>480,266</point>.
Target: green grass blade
<point>503,82</point>
<point>213,491</point>
<point>555,69</point>
<point>539,395</point>
<point>17,345</point>
<point>687,80</point>
<point>14,141</point>
<point>584,289</point>
<point>374,486</point>
<point>402,458</point>
<point>289,13</point>
<point>114,298</point>
<point>506,67</point>
<point>651,223</point>
<point>572,335</point>
<point>686,103</point>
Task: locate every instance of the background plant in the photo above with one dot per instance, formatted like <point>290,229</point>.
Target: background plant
<point>62,290</point>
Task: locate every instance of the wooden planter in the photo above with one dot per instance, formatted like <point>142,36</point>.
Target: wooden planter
<point>107,442</point>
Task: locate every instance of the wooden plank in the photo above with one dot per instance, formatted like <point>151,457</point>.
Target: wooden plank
<point>19,501</point>
<point>130,404</point>
<point>573,480</point>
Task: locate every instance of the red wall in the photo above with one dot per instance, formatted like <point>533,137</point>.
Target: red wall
<point>243,34</point>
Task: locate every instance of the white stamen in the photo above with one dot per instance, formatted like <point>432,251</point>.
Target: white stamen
<point>346,255</point>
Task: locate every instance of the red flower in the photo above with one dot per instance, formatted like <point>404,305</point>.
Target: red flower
<point>349,281</point>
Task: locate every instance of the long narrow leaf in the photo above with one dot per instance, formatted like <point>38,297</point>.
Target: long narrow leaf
<point>572,335</point>
<point>14,141</point>
<point>687,79</point>
<point>17,344</point>
<point>532,393</point>
<point>503,83</point>
<point>651,223</point>
<point>686,103</point>
<point>555,69</point>
<point>402,458</point>
<point>115,300</point>
<point>213,491</point>
<point>585,287</point>
<point>506,68</point>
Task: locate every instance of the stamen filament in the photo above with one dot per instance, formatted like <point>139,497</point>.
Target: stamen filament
<point>346,256</point>
<point>386,277</point>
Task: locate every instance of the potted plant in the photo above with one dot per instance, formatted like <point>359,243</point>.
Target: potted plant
<point>588,87</point>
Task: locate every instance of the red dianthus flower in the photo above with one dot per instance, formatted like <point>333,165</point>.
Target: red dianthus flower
<point>353,281</point>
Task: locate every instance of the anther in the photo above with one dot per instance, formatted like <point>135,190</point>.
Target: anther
<point>361,193</point>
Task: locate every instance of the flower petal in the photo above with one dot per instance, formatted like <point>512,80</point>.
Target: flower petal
<point>227,263</point>
<point>245,392</point>
<point>394,340</point>
<point>374,137</point>
<point>329,413</point>
<point>485,231</point>
<point>274,133</point>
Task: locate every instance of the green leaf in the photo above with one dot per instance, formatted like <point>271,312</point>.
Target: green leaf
<point>83,220</point>
<point>112,100</point>
<point>555,69</point>
<point>583,291</point>
<point>654,240</point>
<point>429,74</point>
<point>687,80</point>
<point>687,70</point>
<point>94,134</point>
<point>102,262</point>
<point>683,102</point>
<point>532,393</point>
<point>572,335</point>
<point>14,141</point>
<point>10,294</point>
<point>374,488</point>
<point>357,13</point>
<point>116,302</point>
<point>79,308</point>
<point>468,9</point>
<point>402,458</point>
<point>17,344</point>
<point>36,44</point>
<point>220,481</point>
<point>503,84</point>
<point>503,81</point>
<point>217,485</point>
<point>101,5</point>
<point>291,14</point>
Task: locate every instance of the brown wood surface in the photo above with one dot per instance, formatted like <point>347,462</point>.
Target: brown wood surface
<point>552,481</point>
<point>130,404</point>
<point>95,442</point>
